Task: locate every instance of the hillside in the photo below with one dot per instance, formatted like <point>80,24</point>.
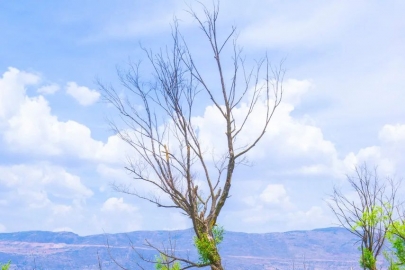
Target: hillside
<point>329,248</point>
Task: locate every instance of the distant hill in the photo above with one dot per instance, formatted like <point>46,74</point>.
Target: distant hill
<point>329,248</point>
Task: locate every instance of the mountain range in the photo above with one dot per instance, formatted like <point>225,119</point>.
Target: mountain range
<point>327,248</point>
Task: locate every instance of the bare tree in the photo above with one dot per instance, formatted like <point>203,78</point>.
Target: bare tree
<point>369,214</point>
<point>159,127</point>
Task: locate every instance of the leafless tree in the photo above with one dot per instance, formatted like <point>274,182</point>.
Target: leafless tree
<point>369,214</point>
<point>159,127</point>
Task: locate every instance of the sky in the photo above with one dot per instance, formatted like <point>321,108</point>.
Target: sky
<point>343,105</point>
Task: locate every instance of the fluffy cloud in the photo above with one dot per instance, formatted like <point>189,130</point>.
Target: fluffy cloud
<point>393,134</point>
<point>274,194</point>
<point>115,215</point>
<point>264,207</point>
<point>295,90</point>
<point>42,196</point>
<point>114,151</point>
<point>388,155</point>
<point>117,204</point>
<point>35,183</point>
<point>34,129</point>
<point>82,94</point>
<point>28,125</point>
<point>288,140</point>
<point>293,148</point>
<point>49,89</point>
<point>13,88</point>
<point>315,217</point>
<point>262,217</point>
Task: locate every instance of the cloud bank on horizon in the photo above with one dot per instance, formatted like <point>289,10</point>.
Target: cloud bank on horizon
<point>343,105</point>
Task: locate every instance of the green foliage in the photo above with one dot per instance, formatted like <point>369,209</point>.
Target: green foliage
<point>399,247</point>
<point>372,217</point>
<point>163,264</point>
<point>367,259</point>
<point>207,249</point>
<point>218,232</point>
<point>5,266</point>
<point>395,236</point>
<point>392,265</point>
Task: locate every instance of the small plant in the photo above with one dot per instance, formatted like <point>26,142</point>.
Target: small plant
<point>206,247</point>
<point>162,263</point>
<point>368,260</point>
<point>5,266</point>
<point>218,232</point>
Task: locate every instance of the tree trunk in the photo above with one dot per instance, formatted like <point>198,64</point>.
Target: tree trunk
<point>217,264</point>
<point>217,267</point>
<point>207,247</point>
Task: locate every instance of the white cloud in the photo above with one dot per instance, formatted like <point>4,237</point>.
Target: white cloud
<point>2,228</point>
<point>117,204</point>
<point>274,210</point>
<point>82,94</point>
<point>274,194</point>
<point>49,89</point>
<point>30,127</point>
<point>31,185</point>
<point>310,219</point>
<point>393,134</point>
<point>295,89</point>
<point>292,145</point>
<point>112,173</point>
<point>34,129</point>
<point>347,49</point>
<point>289,140</point>
<point>264,219</point>
<point>115,173</point>
<point>115,215</point>
<point>44,196</point>
<point>387,156</point>
<point>62,229</point>
<point>114,151</point>
<point>13,88</point>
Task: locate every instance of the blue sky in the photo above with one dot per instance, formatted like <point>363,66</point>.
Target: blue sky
<point>343,105</point>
